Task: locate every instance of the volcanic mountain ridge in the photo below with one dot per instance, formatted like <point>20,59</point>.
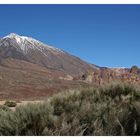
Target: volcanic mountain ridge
<point>30,69</point>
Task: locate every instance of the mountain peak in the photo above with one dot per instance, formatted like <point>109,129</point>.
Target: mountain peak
<point>22,40</point>
<point>17,37</point>
<point>33,51</point>
<point>25,43</point>
<point>12,35</point>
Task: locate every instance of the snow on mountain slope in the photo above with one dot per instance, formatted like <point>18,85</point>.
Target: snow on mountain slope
<point>34,51</point>
<point>26,43</point>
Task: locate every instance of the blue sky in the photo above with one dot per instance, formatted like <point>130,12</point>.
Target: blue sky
<point>105,35</point>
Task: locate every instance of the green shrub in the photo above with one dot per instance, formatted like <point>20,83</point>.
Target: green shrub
<point>4,108</point>
<point>10,103</point>
<point>32,119</point>
<point>92,111</point>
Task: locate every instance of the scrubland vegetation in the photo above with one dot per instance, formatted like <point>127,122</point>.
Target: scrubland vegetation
<point>10,103</point>
<point>107,110</point>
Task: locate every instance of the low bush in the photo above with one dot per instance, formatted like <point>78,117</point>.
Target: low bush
<point>4,108</point>
<point>110,110</point>
<point>10,103</point>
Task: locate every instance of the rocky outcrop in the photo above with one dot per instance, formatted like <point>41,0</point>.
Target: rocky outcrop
<point>134,70</point>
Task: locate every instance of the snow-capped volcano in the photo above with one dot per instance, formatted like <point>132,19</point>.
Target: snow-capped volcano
<point>34,51</point>
<point>32,69</point>
<point>26,43</point>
